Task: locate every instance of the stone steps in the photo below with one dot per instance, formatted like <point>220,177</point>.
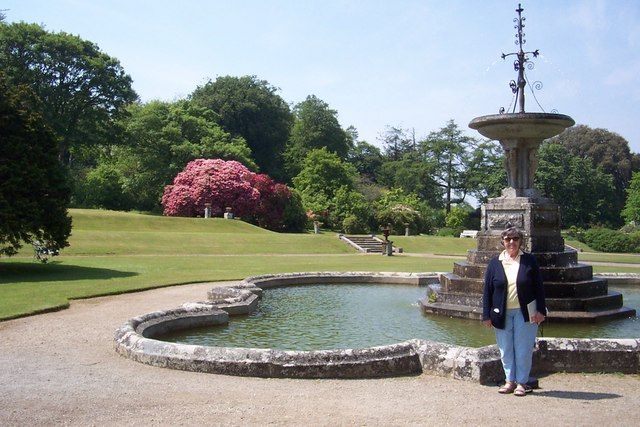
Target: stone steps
<point>587,300</point>
<point>598,303</point>
<point>551,259</point>
<point>557,316</point>
<point>592,304</point>
<point>574,272</point>
<point>367,244</point>
<point>455,310</point>
<point>578,289</point>
<point>590,316</point>
<point>454,283</point>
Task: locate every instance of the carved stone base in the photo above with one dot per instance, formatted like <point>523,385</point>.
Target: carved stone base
<point>538,218</point>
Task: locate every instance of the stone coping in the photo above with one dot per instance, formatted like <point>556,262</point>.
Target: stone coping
<point>135,340</point>
<point>619,278</point>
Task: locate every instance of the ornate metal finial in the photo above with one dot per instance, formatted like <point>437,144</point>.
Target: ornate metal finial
<point>517,87</point>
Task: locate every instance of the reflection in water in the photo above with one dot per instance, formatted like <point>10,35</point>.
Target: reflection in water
<point>316,317</point>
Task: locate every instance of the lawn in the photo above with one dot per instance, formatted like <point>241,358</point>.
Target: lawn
<point>115,252</point>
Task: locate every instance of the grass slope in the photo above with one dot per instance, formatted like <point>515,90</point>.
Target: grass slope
<point>114,252</point>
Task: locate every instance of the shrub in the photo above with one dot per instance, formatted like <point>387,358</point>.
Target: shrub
<point>353,224</point>
<point>433,219</point>
<point>607,240</point>
<point>349,203</point>
<point>449,232</point>
<point>576,233</point>
<point>254,197</point>
<point>399,216</point>
<point>294,217</point>
<point>456,218</point>
<point>398,208</point>
<point>103,187</point>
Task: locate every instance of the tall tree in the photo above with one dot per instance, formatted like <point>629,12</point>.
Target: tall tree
<point>84,91</point>
<point>34,194</point>
<point>316,126</point>
<point>584,192</point>
<point>323,174</point>
<point>397,142</point>
<point>486,175</point>
<point>250,108</point>
<point>413,175</point>
<point>450,151</point>
<point>367,159</point>
<point>605,149</point>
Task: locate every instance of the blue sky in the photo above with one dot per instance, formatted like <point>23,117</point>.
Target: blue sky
<point>413,64</point>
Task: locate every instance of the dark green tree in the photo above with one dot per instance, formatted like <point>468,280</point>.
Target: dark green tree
<point>251,108</point>
<point>34,193</point>
<point>486,175</point>
<point>84,91</point>
<point>449,150</point>
<point>631,211</point>
<point>316,126</point>
<point>606,149</point>
<point>584,192</point>
<point>161,139</point>
<point>414,175</point>
<point>367,159</point>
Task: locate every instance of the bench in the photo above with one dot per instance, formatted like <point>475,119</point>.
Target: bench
<point>469,233</point>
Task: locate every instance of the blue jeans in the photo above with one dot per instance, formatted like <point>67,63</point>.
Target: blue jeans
<point>516,342</point>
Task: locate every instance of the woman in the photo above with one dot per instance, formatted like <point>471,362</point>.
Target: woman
<point>511,283</point>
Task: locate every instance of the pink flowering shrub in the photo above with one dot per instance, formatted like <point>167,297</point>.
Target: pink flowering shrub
<point>274,198</point>
<point>254,197</point>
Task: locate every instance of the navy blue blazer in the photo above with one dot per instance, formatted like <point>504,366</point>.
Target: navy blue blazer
<point>528,283</point>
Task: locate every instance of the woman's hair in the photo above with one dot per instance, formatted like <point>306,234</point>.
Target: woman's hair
<point>511,232</point>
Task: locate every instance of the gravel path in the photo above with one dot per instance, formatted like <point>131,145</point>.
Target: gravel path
<point>60,368</point>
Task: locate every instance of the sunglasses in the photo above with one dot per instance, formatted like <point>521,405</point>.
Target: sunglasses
<point>513,239</point>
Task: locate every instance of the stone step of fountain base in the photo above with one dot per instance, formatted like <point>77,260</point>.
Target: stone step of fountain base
<point>556,316</point>
<point>454,310</point>
<point>597,303</point>
<point>590,316</point>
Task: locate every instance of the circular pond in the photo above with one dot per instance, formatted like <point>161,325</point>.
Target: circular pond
<point>331,326</point>
<point>341,316</point>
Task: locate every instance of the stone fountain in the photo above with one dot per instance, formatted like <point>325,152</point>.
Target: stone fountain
<point>573,294</point>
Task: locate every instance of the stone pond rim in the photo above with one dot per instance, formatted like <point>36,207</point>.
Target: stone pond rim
<point>521,125</point>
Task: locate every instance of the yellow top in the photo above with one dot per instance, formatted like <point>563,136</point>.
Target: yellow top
<point>511,267</point>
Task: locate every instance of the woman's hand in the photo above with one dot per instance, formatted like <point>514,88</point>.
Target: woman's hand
<point>537,318</point>
<point>487,323</point>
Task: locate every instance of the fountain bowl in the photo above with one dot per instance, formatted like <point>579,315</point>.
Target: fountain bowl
<point>537,126</point>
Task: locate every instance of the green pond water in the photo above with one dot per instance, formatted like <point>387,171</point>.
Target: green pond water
<point>314,317</point>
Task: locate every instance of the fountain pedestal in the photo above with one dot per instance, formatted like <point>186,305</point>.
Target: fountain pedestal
<point>572,294</point>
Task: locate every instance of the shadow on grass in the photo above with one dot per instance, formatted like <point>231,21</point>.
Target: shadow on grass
<point>54,272</point>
